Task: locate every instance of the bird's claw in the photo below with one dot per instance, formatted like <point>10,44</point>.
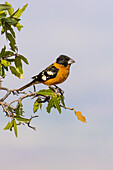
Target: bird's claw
<point>57,90</point>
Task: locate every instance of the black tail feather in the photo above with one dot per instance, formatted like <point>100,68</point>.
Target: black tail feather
<point>27,85</point>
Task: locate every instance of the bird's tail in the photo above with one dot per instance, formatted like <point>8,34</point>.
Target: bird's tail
<point>27,85</point>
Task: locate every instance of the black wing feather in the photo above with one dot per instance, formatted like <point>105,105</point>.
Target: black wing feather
<point>51,68</point>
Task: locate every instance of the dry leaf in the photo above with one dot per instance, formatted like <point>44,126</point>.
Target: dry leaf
<point>80,116</point>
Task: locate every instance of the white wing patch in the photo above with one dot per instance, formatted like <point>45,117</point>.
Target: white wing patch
<point>36,77</point>
<point>50,73</point>
<point>44,77</point>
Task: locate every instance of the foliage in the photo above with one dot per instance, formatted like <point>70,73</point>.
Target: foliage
<point>11,60</point>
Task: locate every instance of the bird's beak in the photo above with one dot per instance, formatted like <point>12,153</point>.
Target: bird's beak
<point>71,61</point>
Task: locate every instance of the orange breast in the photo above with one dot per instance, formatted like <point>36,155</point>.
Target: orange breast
<point>61,75</point>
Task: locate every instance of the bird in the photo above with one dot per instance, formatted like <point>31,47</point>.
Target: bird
<point>54,74</point>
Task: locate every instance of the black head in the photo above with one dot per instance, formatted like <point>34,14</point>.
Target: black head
<point>64,60</point>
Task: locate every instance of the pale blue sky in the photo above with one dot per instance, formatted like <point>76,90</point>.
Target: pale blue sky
<point>83,30</point>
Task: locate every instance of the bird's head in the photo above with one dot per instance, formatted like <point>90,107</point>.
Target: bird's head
<point>64,60</point>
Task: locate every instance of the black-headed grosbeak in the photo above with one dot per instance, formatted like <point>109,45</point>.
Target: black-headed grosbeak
<point>55,74</point>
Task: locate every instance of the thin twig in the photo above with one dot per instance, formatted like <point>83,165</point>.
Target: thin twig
<point>34,128</point>
<point>7,94</point>
<point>68,108</point>
<point>8,113</point>
<point>5,57</point>
<point>12,102</point>
<point>25,96</point>
<point>8,105</point>
<point>30,95</point>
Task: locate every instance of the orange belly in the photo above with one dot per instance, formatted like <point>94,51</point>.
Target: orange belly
<point>62,75</point>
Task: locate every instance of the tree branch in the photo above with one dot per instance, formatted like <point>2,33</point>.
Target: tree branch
<point>7,94</point>
<point>30,121</point>
<point>6,105</point>
<point>8,113</point>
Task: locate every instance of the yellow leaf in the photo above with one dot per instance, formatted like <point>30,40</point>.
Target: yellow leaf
<point>80,116</point>
<point>21,77</point>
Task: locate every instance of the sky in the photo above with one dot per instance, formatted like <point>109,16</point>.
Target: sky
<point>82,30</point>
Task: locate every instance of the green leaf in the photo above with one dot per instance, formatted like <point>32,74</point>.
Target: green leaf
<point>12,41</point>
<point>12,124</point>
<point>62,100</point>
<point>57,103</point>
<point>47,92</point>
<point>15,127</point>
<point>8,126</point>
<point>2,51</point>
<point>50,105</point>
<point>11,30</point>
<point>36,105</point>
<point>22,120</point>
<point>5,63</point>
<point>2,31</point>
<point>18,64</point>
<point>4,7</point>
<point>13,47</point>
<point>11,10</point>
<point>40,104</point>
<point>9,108</point>
<point>2,14</point>
<point>15,71</point>
<point>2,71</point>
<point>19,26</point>
<point>19,110</point>
<point>5,68</point>
<point>8,53</point>
<point>14,13</point>
<point>10,21</point>
<point>23,58</point>
<point>20,11</point>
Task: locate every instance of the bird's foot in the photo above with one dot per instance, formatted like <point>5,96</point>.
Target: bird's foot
<point>57,90</point>
<point>34,88</point>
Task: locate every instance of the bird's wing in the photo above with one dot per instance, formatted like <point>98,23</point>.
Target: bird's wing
<point>49,73</point>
